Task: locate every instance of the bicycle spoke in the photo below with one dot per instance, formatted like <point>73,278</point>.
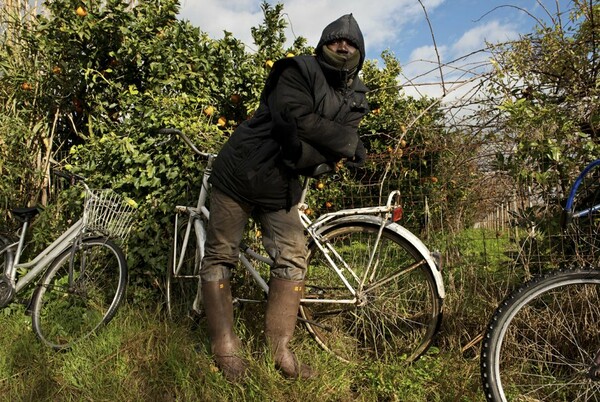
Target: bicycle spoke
<point>396,314</point>
<point>545,338</point>
<point>81,291</point>
<point>182,286</point>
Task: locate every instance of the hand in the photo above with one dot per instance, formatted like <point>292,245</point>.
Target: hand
<point>360,156</point>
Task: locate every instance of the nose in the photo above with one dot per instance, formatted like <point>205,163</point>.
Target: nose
<point>343,46</point>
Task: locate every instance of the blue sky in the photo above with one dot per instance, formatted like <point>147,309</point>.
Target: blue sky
<point>459,26</point>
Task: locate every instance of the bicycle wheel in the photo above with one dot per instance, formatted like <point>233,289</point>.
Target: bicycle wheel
<point>67,308</point>
<point>541,342</point>
<point>582,213</point>
<point>7,290</point>
<point>182,282</point>
<point>398,309</point>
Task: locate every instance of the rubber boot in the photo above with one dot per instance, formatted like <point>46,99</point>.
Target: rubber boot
<point>225,345</point>
<point>280,321</point>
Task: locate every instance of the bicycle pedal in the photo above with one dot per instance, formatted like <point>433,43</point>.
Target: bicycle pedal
<point>196,315</point>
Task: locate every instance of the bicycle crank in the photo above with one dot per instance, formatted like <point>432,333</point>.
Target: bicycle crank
<point>7,291</point>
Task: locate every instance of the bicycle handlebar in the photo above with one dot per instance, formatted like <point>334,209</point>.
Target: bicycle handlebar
<point>317,171</point>
<point>186,139</point>
<point>72,177</point>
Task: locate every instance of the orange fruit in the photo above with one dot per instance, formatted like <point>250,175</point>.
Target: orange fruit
<point>209,111</point>
<point>56,70</point>
<point>222,122</point>
<point>290,54</point>
<point>269,63</point>
<point>328,204</point>
<point>26,86</point>
<point>320,185</point>
<point>78,105</point>
<point>81,11</point>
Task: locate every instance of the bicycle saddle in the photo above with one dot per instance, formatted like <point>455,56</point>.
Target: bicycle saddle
<point>26,214</point>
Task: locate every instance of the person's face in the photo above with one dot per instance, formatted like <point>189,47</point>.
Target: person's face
<point>342,46</point>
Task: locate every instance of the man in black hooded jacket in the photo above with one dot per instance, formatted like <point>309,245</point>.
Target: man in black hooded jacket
<point>309,113</point>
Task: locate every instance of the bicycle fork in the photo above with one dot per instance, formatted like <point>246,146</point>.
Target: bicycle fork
<point>76,244</point>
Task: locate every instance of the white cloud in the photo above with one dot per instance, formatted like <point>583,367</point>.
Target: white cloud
<point>214,17</point>
<point>382,22</point>
<point>461,62</point>
<point>491,32</point>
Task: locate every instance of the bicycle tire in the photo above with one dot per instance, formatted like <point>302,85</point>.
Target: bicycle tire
<point>583,214</point>
<point>182,286</point>
<point>7,290</point>
<point>542,339</point>
<point>64,314</point>
<point>392,323</point>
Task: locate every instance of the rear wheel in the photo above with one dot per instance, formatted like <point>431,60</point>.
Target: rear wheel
<point>398,308</point>
<point>80,292</point>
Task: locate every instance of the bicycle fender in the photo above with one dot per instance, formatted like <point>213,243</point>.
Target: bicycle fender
<point>400,231</point>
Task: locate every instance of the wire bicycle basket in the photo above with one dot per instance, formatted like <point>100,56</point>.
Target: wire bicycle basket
<point>108,213</point>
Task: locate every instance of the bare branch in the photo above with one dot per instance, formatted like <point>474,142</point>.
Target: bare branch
<point>434,45</point>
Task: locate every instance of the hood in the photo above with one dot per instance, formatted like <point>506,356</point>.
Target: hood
<point>344,27</point>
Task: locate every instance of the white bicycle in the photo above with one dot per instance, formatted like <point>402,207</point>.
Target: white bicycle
<point>81,277</point>
<point>373,290</point>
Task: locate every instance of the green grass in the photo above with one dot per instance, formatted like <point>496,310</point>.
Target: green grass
<point>142,356</point>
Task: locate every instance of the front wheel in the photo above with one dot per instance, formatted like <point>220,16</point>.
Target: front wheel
<point>397,310</point>
<point>80,292</point>
<point>7,289</point>
<point>542,340</point>
<point>183,274</point>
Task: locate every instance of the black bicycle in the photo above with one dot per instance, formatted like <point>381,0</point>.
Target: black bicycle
<point>543,341</point>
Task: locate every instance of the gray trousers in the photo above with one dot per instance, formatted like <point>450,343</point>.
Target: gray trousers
<point>282,236</point>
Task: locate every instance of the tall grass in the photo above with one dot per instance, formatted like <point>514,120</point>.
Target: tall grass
<point>142,356</point>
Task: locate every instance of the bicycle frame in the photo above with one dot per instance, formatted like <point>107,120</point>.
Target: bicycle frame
<point>574,188</point>
<point>41,261</point>
<point>378,215</point>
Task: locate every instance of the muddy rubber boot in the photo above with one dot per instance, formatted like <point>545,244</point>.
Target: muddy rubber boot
<point>280,321</point>
<point>225,345</point>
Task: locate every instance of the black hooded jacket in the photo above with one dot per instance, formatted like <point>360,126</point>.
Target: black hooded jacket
<point>303,97</point>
